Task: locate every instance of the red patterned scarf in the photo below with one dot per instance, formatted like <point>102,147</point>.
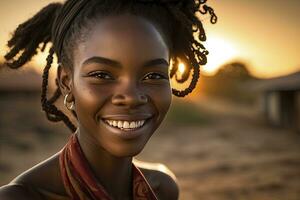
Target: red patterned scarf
<point>81,184</point>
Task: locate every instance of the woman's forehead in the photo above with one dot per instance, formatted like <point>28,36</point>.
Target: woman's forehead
<point>126,38</point>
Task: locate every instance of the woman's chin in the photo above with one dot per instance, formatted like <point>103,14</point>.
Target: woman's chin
<point>125,151</point>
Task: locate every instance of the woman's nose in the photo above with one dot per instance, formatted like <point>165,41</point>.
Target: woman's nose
<point>130,97</point>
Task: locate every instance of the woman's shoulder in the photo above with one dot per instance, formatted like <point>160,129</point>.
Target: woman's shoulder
<point>44,178</point>
<point>161,179</point>
<point>16,192</point>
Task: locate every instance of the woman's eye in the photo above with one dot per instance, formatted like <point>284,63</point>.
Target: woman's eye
<point>154,76</point>
<point>101,75</point>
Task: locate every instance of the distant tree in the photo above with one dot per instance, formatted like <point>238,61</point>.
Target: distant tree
<point>227,82</point>
<point>234,70</point>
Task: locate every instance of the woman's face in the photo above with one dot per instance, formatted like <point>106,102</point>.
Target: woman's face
<point>120,83</point>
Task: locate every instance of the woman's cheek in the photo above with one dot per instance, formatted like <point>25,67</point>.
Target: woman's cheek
<point>89,98</point>
<point>161,96</point>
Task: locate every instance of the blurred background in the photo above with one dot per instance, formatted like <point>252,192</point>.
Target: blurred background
<point>237,136</point>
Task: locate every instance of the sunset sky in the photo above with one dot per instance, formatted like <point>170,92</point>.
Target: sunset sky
<point>262,33</point>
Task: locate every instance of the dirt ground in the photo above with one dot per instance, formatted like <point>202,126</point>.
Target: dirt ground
<point>234,156</point>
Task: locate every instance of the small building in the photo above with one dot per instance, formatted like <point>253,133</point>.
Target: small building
<point>20,92</point>
<point>280,100</point>
<point>20,82</point>
<point>20,104</point>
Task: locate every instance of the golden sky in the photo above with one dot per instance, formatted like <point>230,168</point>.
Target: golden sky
<point>262,33</point>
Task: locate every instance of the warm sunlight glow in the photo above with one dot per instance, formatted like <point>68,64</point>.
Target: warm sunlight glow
<point>220,52</point>
<point>39,61</point>
<point>181,68</point>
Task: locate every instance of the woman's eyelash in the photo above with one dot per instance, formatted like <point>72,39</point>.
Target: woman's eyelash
<point>101,75</point>
<point>155,76</point>
<point>108,76</point>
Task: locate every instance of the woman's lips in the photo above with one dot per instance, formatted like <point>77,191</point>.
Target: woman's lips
<point>127,117</point>
<point>127,126</point>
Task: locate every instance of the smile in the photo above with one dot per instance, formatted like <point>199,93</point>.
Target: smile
<point>128,126</point>
<point>125,125</point>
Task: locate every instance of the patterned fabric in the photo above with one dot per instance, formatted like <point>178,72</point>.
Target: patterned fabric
<point>81,184</point>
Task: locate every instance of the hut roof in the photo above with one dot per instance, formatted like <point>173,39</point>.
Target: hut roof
<point>282,83</point>
<point>20,80</point>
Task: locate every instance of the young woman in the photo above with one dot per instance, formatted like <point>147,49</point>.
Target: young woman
<point>114,71</point>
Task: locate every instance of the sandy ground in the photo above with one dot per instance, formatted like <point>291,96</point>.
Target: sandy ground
<point>234,156</point>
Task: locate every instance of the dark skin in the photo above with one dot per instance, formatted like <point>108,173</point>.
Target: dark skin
<point>120,73</point>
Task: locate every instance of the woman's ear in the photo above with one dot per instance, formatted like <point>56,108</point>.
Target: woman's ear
<point>64,76</point>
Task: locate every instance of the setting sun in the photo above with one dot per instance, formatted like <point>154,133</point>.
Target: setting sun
<point>220,52</point>
<point>181,68</point>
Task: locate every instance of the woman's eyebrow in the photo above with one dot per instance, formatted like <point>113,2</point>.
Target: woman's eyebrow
<point>102,60</point>
<point>158,61</point>
<point>114,63</point>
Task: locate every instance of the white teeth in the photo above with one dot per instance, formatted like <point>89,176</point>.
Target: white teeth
<point>125,124</point>
<point>120,124</point>
<point>132,125</point>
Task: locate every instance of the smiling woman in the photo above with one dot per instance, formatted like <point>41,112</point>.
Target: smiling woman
<point>114,59</point>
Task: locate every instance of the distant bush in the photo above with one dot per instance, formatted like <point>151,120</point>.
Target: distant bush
<point>227,83</point>
<point>234,70</point>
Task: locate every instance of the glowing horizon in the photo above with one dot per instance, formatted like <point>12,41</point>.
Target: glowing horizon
<point>220,52</point>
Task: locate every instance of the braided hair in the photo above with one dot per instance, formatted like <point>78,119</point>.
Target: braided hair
<point>181,28</point>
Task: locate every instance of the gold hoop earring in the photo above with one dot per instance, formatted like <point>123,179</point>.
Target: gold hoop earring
<point>71,106</point>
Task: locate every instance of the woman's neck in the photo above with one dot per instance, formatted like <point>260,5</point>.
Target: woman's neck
<point>113,173</point>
